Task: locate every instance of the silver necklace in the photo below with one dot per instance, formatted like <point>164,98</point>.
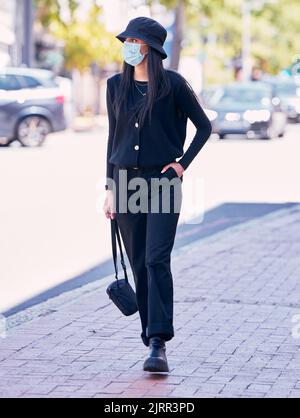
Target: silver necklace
<point>144,94</point>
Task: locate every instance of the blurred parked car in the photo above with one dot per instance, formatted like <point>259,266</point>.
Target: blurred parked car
<point>31,105</point>
<point>247,108</point>
<point>288,92</point>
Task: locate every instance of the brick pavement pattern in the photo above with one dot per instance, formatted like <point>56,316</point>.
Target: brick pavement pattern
<point>235,292</point>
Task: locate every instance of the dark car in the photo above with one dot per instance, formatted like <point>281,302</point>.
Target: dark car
<point>288,92</point>
<point>31,105</point>
<point>247,108</point>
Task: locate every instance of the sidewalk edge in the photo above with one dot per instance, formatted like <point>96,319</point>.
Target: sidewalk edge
<point>53,304</point>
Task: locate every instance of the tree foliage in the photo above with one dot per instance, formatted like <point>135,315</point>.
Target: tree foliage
<point>275,30</point>
<point>85,40</point>
<point>213,28</point>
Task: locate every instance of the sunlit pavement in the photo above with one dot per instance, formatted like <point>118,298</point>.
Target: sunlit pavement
<point>51,230</point>
<point>236,321</point>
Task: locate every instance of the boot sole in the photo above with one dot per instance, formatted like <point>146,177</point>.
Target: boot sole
<point>155,364</point>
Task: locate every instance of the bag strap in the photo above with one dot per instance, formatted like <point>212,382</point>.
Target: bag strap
<point>115,233</point>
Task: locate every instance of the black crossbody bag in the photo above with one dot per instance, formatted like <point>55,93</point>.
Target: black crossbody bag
<point>120,290</point>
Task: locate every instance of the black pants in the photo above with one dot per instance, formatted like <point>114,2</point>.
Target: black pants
<point>148,236</point>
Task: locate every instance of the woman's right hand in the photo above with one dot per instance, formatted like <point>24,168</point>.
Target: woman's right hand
<point>109,205</point>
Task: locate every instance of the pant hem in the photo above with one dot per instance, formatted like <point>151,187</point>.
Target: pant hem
<point>163,329</point>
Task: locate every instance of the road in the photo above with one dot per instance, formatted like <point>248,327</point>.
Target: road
<point>52,225</point>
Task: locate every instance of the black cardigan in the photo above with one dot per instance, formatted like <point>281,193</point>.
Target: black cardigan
<point>162,141</point>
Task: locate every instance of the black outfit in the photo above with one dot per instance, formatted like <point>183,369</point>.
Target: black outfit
<point>163,141</point>
<point>149,236</point>
<point>148,241</point>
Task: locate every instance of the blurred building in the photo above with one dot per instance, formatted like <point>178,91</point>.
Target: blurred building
<point>16,32</point>
<point>7,31</point>
<point>115,14</point>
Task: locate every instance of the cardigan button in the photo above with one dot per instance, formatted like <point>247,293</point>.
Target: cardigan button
<point>136,124</point>
<point>136,147</point>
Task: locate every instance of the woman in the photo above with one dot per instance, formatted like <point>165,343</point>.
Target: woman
<point>148,107</point>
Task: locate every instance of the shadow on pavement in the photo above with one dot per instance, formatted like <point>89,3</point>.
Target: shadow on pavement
<point>215,220</point>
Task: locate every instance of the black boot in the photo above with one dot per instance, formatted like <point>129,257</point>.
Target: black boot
<point>157,360</point>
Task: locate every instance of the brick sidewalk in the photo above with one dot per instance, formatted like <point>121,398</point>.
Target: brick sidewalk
<point>236,293</point>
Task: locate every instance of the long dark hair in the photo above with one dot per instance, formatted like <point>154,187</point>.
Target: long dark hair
<point>158,86</point>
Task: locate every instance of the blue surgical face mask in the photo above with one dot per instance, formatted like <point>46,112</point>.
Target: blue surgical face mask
<point>132,53</point>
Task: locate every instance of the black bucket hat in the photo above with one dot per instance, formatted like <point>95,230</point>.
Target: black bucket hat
<point>147,29</point>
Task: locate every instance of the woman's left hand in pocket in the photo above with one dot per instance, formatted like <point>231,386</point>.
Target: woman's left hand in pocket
<point>176,166</point>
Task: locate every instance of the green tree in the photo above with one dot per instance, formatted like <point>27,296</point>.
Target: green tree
<point>275,34</point>
<point>196,22</point>
<point>85,41</point>
<point>275,30</point>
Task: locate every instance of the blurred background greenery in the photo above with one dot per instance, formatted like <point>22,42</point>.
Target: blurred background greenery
<point>211,42</point>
